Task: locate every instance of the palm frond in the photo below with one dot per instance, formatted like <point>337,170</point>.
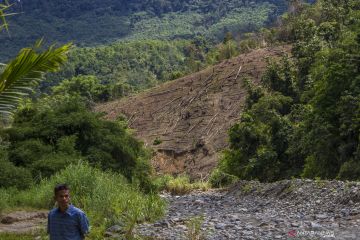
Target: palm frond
<point>3,15</point>
<point>25,71</point>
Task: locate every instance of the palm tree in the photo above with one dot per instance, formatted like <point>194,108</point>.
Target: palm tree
<point>20,75</point>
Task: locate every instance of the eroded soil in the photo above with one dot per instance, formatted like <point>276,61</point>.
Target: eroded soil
<point>189,117</point>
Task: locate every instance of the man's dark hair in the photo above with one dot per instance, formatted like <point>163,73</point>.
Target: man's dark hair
<point>60,187</point>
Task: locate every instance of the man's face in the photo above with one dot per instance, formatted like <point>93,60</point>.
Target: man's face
<point>62,197</point>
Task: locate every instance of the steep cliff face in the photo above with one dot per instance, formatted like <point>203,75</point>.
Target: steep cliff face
<point>186,120</point>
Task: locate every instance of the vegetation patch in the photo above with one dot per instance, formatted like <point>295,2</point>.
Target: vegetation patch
<point>194,231</point>
<point>47,136</point>
<point>106,197</point>
<point>302,120</point>
<point>220,179</point>
<point>179,185</point>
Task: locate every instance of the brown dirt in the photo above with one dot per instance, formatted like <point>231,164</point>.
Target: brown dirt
<point>191,116</point>
<point>23,221</point>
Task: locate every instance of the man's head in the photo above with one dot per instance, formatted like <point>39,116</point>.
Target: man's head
<point>62,196</point>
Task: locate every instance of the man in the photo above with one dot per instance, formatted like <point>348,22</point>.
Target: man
<point>66,222</point>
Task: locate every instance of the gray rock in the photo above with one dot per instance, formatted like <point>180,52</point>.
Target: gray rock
<point>316,225</point>
<point>345,212</point>
<point>295,224</point>
<point>354,212</point>
<point>163,223</point>
<point>263,224</point>
<point>221,226</point>
<point>248,232</point>
<point>116,229</point>
<point>199,201</point>
<point>249,227</point>
<point>112,235</point>
<point>321,216</point>
<point>183,227</point>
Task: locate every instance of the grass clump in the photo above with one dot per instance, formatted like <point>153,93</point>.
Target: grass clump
<point>319,182</point>
<point>179,185</point>
<point>220,179</point>
<point>17,236</point>
<point>41,234</point>
<point>201,185</point>
<point>182,185</point>
<point>194,231</point>
<point>106,197</point>
<point>157,141</point>
<point>160,182</point>
<point>247,188</point>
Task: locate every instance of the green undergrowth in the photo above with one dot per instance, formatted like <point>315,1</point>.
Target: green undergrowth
<point>106,197</point>
<point>219,178</point>
<point>16,236</point>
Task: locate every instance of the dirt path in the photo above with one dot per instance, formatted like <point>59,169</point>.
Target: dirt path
<point>23,221</point>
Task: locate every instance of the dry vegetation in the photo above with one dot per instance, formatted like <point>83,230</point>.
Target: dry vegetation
<point>186,120</point>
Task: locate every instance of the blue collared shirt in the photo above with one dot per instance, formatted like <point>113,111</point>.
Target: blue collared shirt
<point>69,225</point>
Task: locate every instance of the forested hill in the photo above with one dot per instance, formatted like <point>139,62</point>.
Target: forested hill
<point>91,22</point>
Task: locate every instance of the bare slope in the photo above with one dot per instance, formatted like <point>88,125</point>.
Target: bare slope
<point>191,116</point>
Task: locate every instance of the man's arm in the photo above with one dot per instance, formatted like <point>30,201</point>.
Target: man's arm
<point>84,224</point>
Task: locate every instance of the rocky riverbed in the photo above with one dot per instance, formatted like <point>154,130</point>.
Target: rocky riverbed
<point>291,209</point>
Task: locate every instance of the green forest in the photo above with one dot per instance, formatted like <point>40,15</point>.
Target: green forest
<point>304,119</point>
<point>136,44</point>
<point>301,121</point>
<point>89,23</point>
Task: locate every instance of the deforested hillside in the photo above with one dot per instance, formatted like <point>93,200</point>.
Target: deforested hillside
<point>186,121</point>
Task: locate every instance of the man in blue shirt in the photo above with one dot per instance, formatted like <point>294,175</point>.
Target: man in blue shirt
<point>66,222</point>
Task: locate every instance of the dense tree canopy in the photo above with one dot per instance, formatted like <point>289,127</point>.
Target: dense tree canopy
<point>102,21</point>
<point>304,121</point>
<point>47,136</point>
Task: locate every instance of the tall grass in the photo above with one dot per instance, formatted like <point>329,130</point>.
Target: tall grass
<point>16,236</point>
<point>179,185</point>
<point>194,231</point>
<point>106,197</point>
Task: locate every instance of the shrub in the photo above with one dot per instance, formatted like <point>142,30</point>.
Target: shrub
<point>50,164</point>
<point>24,153</point>
<point>161,182</point>
<point>179,186</point>
<point>12,176</point>
<point>220,179</point>
<point>48,135</point>
<point>350,170</point>
<point>194,231</point>
<point>157,141</point>
<point>201,185</point>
